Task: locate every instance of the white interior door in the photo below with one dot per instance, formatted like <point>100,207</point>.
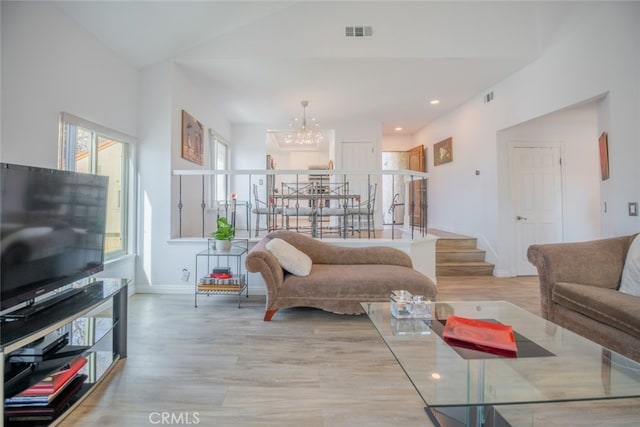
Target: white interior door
<point>358,156</point>
<point>361,156</point>
<point>536,177</point>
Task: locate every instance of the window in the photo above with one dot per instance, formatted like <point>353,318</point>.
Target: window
<point>90,148</point>
<point>219,161</point>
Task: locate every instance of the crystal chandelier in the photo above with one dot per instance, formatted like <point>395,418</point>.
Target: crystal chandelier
<point>305,133</point>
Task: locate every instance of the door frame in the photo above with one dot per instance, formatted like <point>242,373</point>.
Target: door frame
<point>418,189</point>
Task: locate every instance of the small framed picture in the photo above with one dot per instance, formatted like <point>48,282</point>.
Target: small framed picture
<point>443,152</point>
<point>192,138</point>
<point>603,143</point>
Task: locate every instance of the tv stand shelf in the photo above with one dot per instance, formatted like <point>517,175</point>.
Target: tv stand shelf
<point>92,324</point>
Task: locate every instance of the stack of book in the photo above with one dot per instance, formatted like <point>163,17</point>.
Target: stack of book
<point>220,279</point>
<point>221,273</point>
<point>45,400</point>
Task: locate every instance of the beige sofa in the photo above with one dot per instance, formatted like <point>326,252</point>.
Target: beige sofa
<point>579,290</point>
<point>340,278</point>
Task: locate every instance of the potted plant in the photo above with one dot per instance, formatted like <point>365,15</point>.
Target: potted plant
<point>224,234</point>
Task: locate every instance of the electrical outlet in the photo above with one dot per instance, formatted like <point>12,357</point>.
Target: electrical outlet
<point>633,208</point>
<point>185,275</point>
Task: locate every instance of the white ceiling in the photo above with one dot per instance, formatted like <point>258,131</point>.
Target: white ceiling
<point>258,60</point>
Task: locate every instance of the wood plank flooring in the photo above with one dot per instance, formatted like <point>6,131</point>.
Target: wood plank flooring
<point>217,365</point>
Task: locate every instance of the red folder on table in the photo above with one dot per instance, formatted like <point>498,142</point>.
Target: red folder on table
<point>480,333</point>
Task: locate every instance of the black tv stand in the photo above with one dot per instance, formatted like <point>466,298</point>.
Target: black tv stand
<point>32,309</point>
<point>35,346</point>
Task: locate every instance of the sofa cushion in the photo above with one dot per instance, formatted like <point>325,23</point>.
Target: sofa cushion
<point>361,282</point>
<point>630,283</point>
<point>607,306</point>
<point>290,258</point>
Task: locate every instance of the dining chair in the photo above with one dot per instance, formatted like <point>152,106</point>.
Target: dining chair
<point>364,213</point>
<point>332,209</point>
<point>268,209</point>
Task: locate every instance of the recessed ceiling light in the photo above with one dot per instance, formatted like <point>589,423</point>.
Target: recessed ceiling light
<point>398,128</point>
<point>434,102</point>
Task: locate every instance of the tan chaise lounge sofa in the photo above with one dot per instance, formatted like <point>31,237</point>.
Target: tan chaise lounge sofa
<point>340,277</point>
<point>579,290</point>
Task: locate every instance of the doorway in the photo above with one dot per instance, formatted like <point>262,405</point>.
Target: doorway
<point>394,200</point>
<point>536,177</point>
<point>393,190</point>
<point>418,188</point>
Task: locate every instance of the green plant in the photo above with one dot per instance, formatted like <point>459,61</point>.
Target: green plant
<point>225,230</point>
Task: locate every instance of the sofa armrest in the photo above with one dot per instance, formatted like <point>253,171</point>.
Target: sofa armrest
<point>259,260</point>
<point>594,263</point>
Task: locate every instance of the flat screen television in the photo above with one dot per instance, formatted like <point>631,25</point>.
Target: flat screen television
<point>52,230</point>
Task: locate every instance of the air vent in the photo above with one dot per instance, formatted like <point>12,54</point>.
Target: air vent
<point>358,31</point>
<point>488,97</point>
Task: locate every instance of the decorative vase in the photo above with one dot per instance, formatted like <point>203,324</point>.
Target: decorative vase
<point>223,245</point>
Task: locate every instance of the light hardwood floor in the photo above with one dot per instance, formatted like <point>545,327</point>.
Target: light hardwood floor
<point>217,365</point>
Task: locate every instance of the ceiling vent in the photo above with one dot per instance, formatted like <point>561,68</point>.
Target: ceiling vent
<point>358,31</point>
<point>488,97</point>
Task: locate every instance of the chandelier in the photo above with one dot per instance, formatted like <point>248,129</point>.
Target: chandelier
<point>304,133</point>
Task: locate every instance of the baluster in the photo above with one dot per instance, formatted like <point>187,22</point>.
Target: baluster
<point>180,206</point>
<point>203,205</point>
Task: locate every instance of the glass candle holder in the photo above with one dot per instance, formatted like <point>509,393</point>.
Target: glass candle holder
<point>401,304</point>
<point>421,307</point>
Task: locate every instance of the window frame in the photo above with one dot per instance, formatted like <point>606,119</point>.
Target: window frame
<point>67,161</point>
<point>215,141</point>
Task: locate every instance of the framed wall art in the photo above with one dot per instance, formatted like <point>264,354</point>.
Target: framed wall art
<point>603,143</point>
<point>443,152</point>
<point>192,138</point>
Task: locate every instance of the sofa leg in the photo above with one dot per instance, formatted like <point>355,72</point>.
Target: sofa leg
<point>269,314</point>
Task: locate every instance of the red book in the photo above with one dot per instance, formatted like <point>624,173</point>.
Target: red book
<point>57,380</point>
<point>480,333</point>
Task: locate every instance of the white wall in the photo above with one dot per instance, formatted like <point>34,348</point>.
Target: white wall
<point>192,96</point>
<point>50,65</point>
<point>154,168</point>
<point>166,91</point>
<point>581,65</point>
<point>398,142</point>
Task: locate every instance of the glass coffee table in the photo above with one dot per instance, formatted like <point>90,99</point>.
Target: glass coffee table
<point>476,387</point>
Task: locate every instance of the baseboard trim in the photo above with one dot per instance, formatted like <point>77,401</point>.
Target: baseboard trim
<point>183,289</point>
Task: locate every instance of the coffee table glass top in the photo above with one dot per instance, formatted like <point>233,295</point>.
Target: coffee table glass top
<point>553,364</point>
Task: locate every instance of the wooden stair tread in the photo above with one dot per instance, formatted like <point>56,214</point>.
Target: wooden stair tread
<point>459,255</point>
<point>447,235</point>
<point>442,244</point>
<point>464,269</point>
<point>465,263</point>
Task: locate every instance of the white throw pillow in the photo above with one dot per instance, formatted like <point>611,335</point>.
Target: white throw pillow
<point>290,258</point>
<point>630,283</point>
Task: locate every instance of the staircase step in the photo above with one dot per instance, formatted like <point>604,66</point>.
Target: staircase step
<point>456,243</point>
<point>459,255</point>
<point>464,269</point>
